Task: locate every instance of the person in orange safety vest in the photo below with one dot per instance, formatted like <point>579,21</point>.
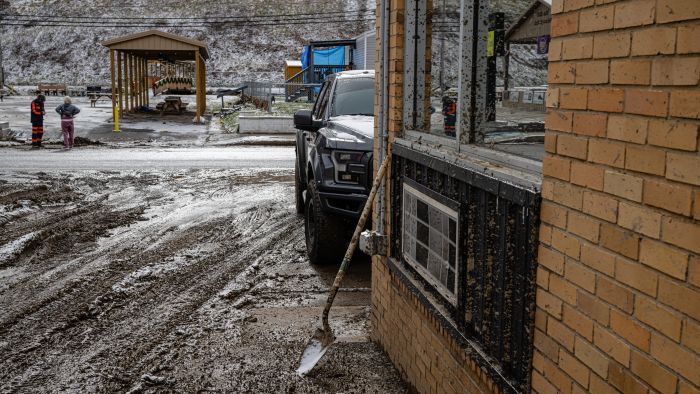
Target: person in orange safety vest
<point>449,111</point>
<point>37,118</point>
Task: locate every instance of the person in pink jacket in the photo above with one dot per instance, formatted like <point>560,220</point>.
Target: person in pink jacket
<point>67,111</point>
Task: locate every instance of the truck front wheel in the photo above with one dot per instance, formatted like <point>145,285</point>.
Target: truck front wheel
<point>325,240</point>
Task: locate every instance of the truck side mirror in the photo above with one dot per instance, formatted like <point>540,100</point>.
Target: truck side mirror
<point>303,119</point>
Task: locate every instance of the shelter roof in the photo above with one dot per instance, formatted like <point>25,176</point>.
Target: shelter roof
<point>333,43</point>
<point>527,23</point>
<point>155,44</point>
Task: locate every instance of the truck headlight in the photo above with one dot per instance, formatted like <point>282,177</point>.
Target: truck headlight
<point>348,166</point>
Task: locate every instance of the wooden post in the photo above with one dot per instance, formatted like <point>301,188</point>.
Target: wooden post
<point>137,85</point>
<point>132,93</point>
<point>141,100</point>
<point>127,82</point>
<point>148,87</point>
<point>115,112</point>
<point>143,82</point>
<point>199,91</point>
<point>120,75</point>
<point>140,82</point>
<point>135,82</point>
<point>137,91</point>
<point>130,100</point>
<point>203,70</point>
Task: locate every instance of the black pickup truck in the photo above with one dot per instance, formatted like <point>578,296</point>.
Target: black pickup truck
<point>334,145</point>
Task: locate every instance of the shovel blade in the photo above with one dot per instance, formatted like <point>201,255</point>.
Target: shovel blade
<point>315,349</point>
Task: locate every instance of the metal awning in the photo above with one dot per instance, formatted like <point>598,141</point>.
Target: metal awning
<point>153,44</point>
<point>332,43</point>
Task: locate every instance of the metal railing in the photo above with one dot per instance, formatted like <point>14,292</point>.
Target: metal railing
<point>496,263</point>
<point>295,88</point>
<point>264,90</point>
<point>290,90</point>
<point>320,72</point>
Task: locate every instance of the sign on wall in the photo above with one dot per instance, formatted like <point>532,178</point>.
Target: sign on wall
<point>543,44</point>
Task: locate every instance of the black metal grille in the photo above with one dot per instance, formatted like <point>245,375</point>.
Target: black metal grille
<point>498,239</point>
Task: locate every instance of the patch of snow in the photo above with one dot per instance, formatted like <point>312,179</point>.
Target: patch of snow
<point>151,271</point>
<point>11,249</point>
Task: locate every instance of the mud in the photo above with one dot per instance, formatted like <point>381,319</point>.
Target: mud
<point>171,281</point>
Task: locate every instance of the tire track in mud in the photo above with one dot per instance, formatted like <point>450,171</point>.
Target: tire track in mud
<point>245,250</point>
<point>58,234</point>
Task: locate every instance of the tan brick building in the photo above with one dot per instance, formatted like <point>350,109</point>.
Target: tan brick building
<point>579,272</point>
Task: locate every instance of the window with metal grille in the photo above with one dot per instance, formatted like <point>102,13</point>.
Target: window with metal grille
<point>430,234</point>
<point>491,305</point>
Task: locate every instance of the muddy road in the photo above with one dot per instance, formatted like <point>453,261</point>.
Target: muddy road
<point>169,277</point>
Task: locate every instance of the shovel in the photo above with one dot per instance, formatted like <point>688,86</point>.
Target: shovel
<point>323,338</point>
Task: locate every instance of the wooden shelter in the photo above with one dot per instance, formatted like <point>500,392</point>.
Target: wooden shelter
<point>129,60</point>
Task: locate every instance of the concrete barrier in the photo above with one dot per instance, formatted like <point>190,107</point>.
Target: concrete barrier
<point>251,124</point>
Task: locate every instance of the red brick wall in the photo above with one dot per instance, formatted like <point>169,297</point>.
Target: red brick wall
<point>618,300</point>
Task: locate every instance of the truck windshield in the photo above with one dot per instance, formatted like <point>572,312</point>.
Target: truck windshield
<point>354,96</point>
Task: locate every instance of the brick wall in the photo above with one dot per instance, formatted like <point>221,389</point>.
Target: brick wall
<point>423,351</point>
<point>619,278</point>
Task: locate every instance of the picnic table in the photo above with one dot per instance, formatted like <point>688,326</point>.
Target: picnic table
<point>173,104</point>
<point>94,97</point>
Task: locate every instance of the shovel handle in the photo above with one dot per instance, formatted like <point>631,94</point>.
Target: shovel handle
<point>353,242</point>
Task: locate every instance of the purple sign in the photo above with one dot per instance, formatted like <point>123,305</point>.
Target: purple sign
<point>543,45</point>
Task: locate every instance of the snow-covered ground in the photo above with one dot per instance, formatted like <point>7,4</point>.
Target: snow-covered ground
<point>95,124</point>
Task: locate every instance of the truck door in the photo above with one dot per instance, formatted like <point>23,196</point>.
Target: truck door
<point>319,112</point>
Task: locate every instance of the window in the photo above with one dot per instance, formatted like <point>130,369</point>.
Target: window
<point>353,96</point>
<point>430,234</point>
<point>458,84</point>
<point>320,107</point>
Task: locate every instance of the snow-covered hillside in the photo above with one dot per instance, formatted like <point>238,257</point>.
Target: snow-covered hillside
<point>73,54</point>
